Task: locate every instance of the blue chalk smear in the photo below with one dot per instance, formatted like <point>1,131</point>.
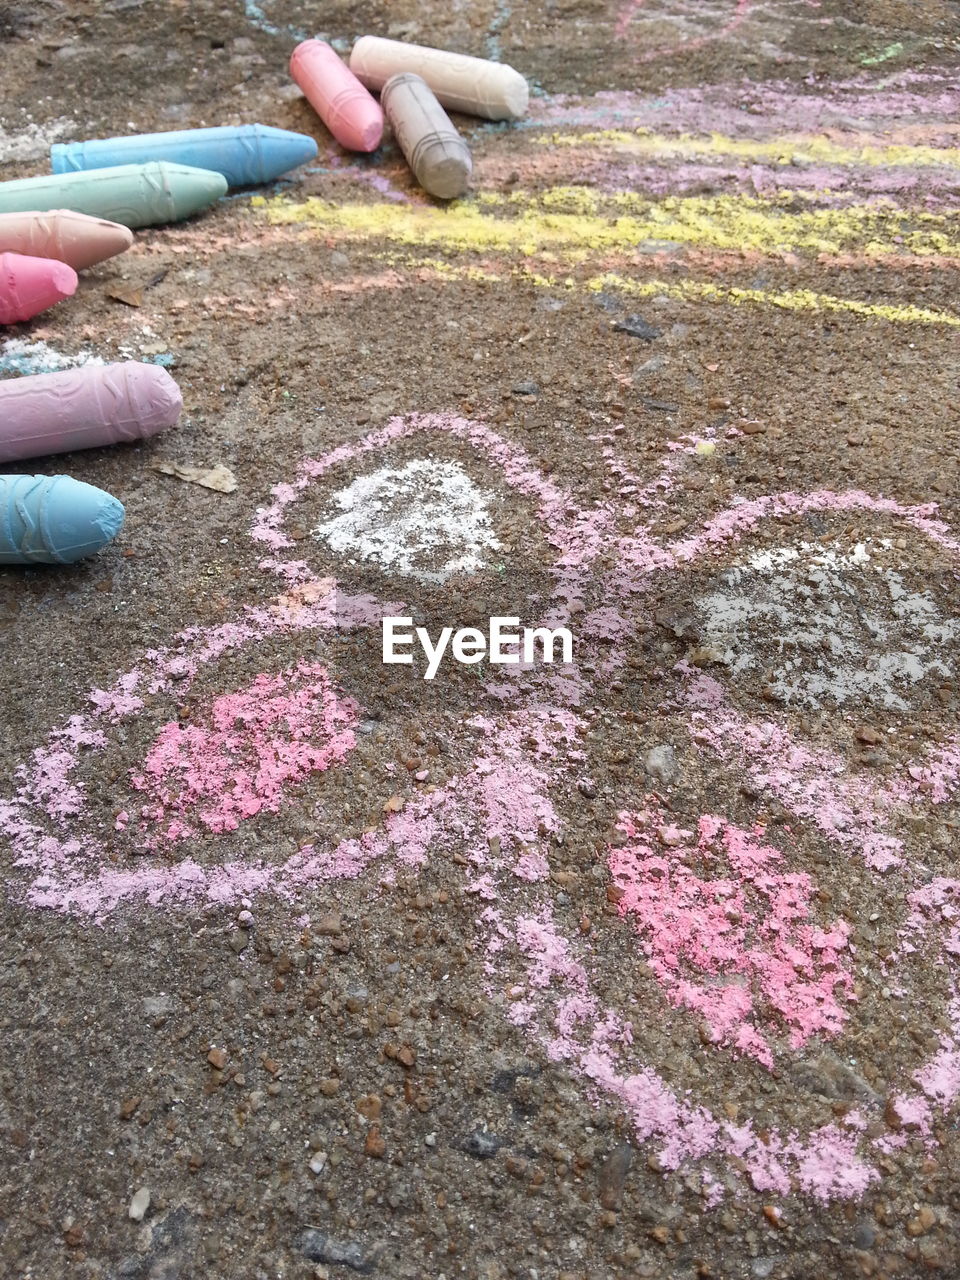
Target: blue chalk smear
<point>501,16</point>
<point>18,356</point>
<point>257,18</point>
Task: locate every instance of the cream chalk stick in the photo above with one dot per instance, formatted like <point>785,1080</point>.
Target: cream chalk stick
<point>472,85</point>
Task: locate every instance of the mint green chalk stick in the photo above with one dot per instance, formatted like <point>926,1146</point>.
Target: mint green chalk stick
<point>135,195</point>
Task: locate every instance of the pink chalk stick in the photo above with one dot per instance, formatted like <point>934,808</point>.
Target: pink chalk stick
<point>348,110</point>
<point>30,285</point>
<point>85,408</point>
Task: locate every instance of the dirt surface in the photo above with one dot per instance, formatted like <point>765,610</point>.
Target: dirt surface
<point>642,966</point>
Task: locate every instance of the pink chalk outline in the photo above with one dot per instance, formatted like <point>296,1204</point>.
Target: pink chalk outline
<point>239,763</point>
<point>630,11</point>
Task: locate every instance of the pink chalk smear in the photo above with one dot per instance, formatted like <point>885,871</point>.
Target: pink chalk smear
<point>741,949</point>
<point>259,741</point>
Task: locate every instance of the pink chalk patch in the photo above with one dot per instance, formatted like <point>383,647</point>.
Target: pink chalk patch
<point>740,949</point>
<point>940,1078</point>
<point>258,742</point>
<point>532,867</point>
<point>829,1169</point>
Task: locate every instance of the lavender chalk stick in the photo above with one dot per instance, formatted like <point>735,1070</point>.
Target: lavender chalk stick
<point>54,519</point>
<point>434,150</point>
<point>84,408</point>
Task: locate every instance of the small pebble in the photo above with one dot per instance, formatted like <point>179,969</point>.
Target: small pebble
<point>613,1176</point>
<point>481,1145</point>
<point>139,1205</point>
<point>661,763</point>
<point>374,1146</point>
<point>636,327</point>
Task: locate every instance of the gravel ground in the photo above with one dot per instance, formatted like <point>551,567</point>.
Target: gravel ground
<point>641,966</point>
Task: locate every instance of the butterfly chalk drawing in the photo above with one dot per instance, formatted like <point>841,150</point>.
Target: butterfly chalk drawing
<point>731,936</point>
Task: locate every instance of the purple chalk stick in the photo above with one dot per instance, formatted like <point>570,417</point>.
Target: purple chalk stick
<point>85,408</point>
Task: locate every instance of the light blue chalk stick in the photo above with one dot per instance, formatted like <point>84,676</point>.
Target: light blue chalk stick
<point>54,519</point>
<point>245,154</point>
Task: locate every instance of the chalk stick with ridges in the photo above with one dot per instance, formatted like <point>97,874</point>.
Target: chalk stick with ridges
<point>135,195</point>
<point>472,85</point>
<point>73,238</point>
<point>85,408</point>
<point>54,519</point>
<point>348,110</point>
<point>31,285</point>
<point>244,154</point>
<point>434,150</point>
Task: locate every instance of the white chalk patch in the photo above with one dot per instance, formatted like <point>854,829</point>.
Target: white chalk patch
<point>32,141</point>
<point>426,520</point>
<point>826,625</point>
<point>19,356</point>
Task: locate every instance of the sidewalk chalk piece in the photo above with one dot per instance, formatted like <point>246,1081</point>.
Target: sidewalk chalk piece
<point>85,408</point>
<point>434,150</point>
<point>472,85</point>
<point>73,238</point>
<point>54,519</point>
<point>244,154</point>
<point>31,285</point>
<point>135,195</point>
<point>348,110</point>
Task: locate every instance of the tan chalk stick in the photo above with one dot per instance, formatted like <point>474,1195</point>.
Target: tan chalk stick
<point>434,150</point>
<point>472,85</point>
<point>69,237</point>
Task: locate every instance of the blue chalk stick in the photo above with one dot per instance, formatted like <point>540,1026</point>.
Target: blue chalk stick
<point>54,519</point>
<point>244,154</point>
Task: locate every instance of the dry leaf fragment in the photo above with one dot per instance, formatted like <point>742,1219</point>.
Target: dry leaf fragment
<point>220,478</point>
<point>131,297</point>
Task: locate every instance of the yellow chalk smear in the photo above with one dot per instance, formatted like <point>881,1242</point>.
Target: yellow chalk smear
<point>802,149</point>
<point>786,299</point>
<point>687,291</point>
<point>568,219</point>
